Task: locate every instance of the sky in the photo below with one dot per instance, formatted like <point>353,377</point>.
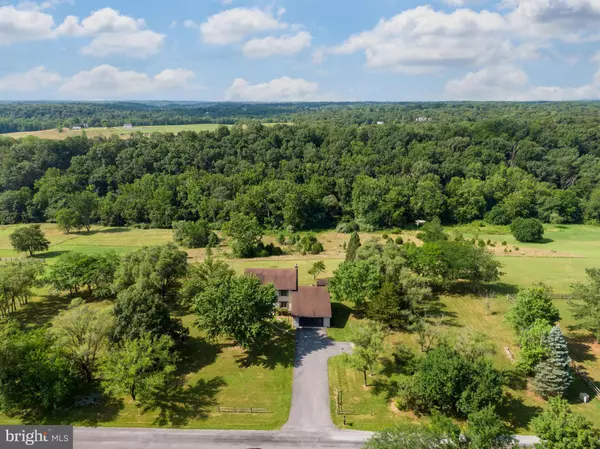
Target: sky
<point>300,50</point>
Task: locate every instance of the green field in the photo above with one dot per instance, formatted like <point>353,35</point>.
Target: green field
<point>215,372</point>
<point>120,131</point>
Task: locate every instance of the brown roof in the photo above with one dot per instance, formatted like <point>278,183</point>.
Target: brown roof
<point>322,282</point>
<point>281,278</point>
<point>311,302</point>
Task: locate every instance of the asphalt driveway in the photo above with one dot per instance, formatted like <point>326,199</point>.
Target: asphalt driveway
<point>310,388</point>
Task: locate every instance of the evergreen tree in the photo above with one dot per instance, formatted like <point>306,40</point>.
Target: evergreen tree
<point>553,375</point>
<point>353,245</point>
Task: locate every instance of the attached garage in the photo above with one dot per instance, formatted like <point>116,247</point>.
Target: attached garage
<point>311,307</point>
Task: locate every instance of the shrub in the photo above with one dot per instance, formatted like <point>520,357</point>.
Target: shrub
<point>281,238</point>
<point>191,234</point>
<point>347,227</point>
<point>504,243</point>
<point>399,241</point>
<point>527,229</point>
<point>384,236</point>
<point>309,244</point>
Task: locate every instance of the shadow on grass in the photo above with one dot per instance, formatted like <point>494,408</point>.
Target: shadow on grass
<point>387,387</point>
<point>197,353</point>
<point>340,314</point>
<point>515,379</point>
<point>580,348</point>
<point>280,351</point>
<point>544,240</point>
<point>40,313</point>
<point>177,404</point>
<point>517,413</point>
<point>50,255</point>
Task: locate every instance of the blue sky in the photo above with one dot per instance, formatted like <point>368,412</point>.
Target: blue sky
<point>300,50</point>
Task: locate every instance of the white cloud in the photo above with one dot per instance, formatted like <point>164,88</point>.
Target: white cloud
<point>17,25</point>
<point>569,20</point>
<point>106,81</point>
<point>276,46</point>
<point>30,81</point>
<point>281,89</point>
<point>490,83</point>
<point>234,25</point>
<point>422,39</point>
<point>113,34</point>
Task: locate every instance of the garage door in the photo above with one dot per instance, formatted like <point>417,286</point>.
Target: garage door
<point>311,322</point>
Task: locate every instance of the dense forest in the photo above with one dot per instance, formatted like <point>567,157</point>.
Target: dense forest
<point>331,167</point>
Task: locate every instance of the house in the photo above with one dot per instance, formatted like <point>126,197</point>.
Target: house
<point>309,306</point>
<point>128,126</point>
<point>76,128</point>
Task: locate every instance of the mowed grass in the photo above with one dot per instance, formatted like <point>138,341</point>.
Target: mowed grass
<point>54,134</point>
<point>559,262</point>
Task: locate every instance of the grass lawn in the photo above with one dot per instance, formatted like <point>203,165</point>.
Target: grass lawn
<point>119,131</point>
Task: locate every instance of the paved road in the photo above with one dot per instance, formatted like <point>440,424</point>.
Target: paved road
<point>310,388</point>
<point>112,438</point>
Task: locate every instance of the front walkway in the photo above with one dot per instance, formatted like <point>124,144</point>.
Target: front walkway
<point>310,389</point>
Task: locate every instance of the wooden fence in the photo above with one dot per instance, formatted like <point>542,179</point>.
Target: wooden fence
<point>339,409</point>
<point>242,410</point>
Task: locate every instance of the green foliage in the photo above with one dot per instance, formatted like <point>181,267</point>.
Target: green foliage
<point>486,430</point>
<point>356,282</point>
<point>534,346</point>
<point>158,268</point>
<point>586,306</point>
<point>29,239</point>
<point>310,245</point>
<point>85,206</point>
<point>432,231</point>
<point>553,374</point>
<point>137,367</point>
<point>74,271</point>
<point>531,305</point>
<point>368,348</point>
<point>352,247</point>
<point>82,333</point>
<point>245,233</point>
<point>35,376</point>
<point>238,307</point>
<point>140,311</point>
<point>317,268</point>
<point>399,241</point>
<point>191,234</point>
<point>400,302</point>
<point>409,436</point>
<point>454,385</point>
<point>527,229</point>
<point>213,240</point>
<point>199,276</point>
<point>67,219</point>
<point>16,282</point>
<point>559,428</point>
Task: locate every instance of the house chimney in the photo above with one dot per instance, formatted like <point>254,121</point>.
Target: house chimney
<point>296,266</point>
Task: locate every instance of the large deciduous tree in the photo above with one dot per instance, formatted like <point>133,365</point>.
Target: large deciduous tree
<point>586,303</point>
<point>245,234</point>
<point>368,348</point>
<point>30,239</point>
<point>531,305</point>
<point>356,282</point>
<point>238,307</point>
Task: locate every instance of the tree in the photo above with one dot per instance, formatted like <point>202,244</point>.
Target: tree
<point>559,428</point>
<point>317,268</point>
<point>191,234</point>
<point>83,333</point>
<point>74,271</point>
<point>486,430</point>
<point>586,306</point>
<point>35,375</point>
<point>534,346</point>
<point>309,244</point>
<point>531,305</point>
<point>245,234</point>
<point>85,206</point>
<point>159,268</point>
<point>353,245</point>
<point>138,366</point>
<point>199,276</point>
<point>432,231</point>
<point>355,281</point>
<point>238,307</point>
<point>368,348</point>
<point>400,300</point>
<point>408,436</point>
<point>139,311</point>
<point>29,239</point>
<point>16,281</point>
<point>527,229</point>
<point>67,219</point>
<point>474,345</point>
<point>553,374</point>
